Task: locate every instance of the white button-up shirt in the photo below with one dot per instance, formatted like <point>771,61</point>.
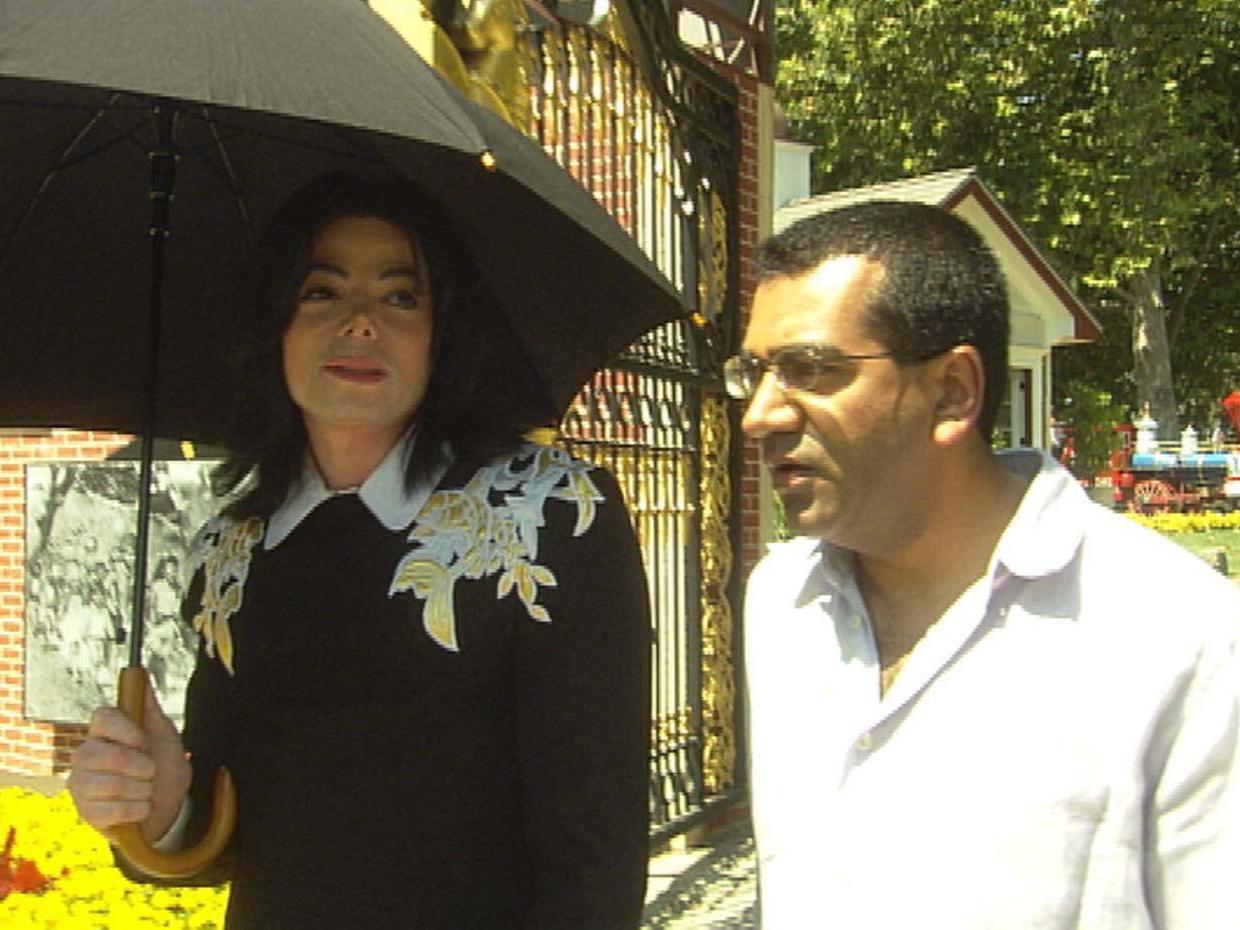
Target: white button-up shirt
<point>1059,750</point>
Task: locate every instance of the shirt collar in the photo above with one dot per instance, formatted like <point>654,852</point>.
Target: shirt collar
<point>383,492</point>
<point>1046,531</point>
<point>813,563</point>
<point>1041,538</point>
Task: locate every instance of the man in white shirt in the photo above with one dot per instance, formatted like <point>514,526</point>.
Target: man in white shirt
<point>976,699</point>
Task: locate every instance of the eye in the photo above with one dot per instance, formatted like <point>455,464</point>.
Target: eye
<point>404,299</point>
<point>800,369</point>
<point>314,291</point>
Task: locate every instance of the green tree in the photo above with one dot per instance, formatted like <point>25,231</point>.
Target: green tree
<point>1089,418</point>
<point>1110,129</point>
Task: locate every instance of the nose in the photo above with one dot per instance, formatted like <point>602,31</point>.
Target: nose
<point>358,323</point>
<point>769,411</point>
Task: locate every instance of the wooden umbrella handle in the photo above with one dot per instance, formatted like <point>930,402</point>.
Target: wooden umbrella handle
<point>134,684</point>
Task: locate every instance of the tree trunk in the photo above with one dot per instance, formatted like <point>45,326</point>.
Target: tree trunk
<point>1151,351</point>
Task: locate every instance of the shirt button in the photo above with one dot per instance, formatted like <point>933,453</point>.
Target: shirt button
<point>855,621</point>
<point>864,742</point>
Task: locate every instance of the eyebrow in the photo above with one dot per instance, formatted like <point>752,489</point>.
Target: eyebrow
<point>395,271</point>
<point>826,350</point>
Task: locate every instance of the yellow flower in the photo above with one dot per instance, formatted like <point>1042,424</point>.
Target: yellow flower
<point>88,891</point>
<point>1188,522</point>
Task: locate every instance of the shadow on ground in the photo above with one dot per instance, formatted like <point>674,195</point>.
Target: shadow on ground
<point>705,887</point>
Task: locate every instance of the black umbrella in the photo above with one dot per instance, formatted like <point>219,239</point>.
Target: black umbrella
<point>142,142</point>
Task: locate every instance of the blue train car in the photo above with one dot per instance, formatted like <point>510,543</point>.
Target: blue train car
<point>1173,481</point>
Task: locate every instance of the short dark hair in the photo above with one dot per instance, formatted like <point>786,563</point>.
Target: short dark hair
<point>941,285</point>
<point>483,393</point>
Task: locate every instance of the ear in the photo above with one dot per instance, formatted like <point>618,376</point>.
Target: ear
<point>960,384</point>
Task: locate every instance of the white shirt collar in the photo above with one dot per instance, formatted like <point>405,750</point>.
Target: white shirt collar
<point>815,565</point>
<point>383,492</point>
<point>1040,539</point>
<point>1046,531</point>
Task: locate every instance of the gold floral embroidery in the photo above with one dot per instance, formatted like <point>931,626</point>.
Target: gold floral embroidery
<point>463,533</point>
<point>222,550</point>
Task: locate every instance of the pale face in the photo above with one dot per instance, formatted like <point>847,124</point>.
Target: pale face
<point>357,352</point>
<point>844,458</point>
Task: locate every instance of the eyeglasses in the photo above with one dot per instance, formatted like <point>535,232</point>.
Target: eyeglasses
<point>801,367</point>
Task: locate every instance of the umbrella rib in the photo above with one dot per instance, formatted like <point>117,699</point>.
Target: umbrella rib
<point>98,114</point>
<point>123,135</point>
<point>64,161</point>
<point>32,105</point>
<point>224,169</point>
<point>354,146</point>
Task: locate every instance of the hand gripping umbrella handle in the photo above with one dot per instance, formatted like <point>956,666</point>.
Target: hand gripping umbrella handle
<point>134,684</point>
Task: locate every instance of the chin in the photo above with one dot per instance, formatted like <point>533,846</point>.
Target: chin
<point>801,524</point>
<point>804,514</point>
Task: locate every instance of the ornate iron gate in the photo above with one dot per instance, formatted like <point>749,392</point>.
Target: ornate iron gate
<point>654,133</point>
<point>655,136</point>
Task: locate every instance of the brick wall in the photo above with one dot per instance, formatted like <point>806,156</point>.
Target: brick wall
<point>31,747</point>
<point>751,232</point>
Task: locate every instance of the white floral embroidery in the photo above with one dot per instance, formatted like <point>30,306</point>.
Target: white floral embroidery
<point>222,549</point>
<point>461,533</point>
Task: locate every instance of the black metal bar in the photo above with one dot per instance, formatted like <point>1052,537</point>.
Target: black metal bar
<point>611,84</point>
<point>163,175</point>
<point>720,15</point>
<point>540,83</point>
<point>631,114</point>
<point>706,811</point>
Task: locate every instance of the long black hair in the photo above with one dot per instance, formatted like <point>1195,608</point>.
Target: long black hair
<point>483,393</point>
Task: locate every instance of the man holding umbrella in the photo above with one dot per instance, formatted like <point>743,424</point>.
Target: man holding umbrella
<point>433,701</point>
<point>423,641</point>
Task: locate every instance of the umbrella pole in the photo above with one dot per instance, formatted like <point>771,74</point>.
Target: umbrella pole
<point>163,176</point>
<point>134,681</point>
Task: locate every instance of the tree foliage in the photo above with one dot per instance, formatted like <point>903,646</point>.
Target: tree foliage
<point>1088,417</point>
<point>1109,128</point>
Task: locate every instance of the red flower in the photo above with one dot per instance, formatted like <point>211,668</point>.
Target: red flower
<point>19,874</point>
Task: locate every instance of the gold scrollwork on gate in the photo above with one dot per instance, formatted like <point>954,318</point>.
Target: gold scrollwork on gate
<point>718,674</point>
<point>712,253</point>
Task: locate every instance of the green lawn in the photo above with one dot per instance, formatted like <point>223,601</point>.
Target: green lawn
<point>1227,540</point>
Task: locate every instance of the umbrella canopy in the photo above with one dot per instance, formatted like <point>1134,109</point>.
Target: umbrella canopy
<point>231,105</point>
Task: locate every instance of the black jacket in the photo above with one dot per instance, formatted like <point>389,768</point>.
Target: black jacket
<point>399,766</point>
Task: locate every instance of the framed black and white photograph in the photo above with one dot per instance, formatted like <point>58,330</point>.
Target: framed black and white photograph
<point>80,533</point>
